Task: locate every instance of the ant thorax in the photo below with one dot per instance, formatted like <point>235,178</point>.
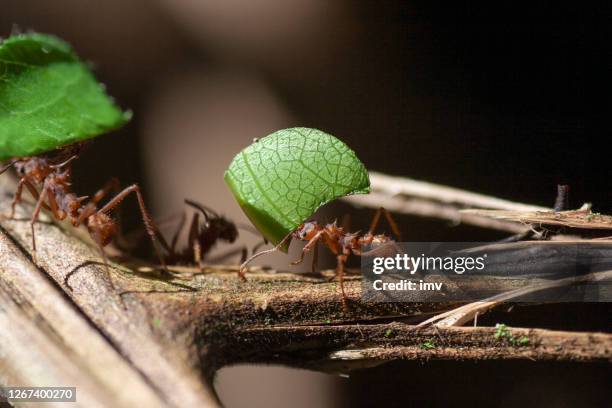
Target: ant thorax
<point>350,240</point>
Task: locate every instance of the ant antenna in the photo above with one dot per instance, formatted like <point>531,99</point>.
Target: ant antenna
<point>243,266</point>
<point>205,210</point>
<point>8,166</point>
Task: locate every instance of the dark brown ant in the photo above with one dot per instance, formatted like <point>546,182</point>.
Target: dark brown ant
<point>342,244</point>
<point>48,179</point>
<point>202,237</point>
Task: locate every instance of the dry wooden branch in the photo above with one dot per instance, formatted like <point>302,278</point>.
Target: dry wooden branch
<point>408,196</point>
<point>159,341</point>
<point>466,313</point>
<point>583,218</point>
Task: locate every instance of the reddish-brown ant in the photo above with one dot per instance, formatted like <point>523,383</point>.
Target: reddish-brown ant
<point>48,179</point>
<point>342,244</point>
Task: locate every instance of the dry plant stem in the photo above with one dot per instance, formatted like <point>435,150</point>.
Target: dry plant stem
<point>408,196</point>
<point>392,185</point>
<point>396,341</point>
<point>466,313</point>
<point>577,219</point>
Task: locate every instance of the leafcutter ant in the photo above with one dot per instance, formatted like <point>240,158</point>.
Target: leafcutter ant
<point>202,237</point>
<point>48,179</point>
<point>342,244</point>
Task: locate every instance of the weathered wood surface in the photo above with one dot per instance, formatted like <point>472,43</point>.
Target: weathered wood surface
<point>63,323</point>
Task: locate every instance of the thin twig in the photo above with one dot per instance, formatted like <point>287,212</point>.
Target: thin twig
<point>465,313</point>
<point>408,196</point>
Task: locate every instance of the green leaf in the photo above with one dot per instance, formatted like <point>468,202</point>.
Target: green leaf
<point>48,97</point>
<point>283,178</point>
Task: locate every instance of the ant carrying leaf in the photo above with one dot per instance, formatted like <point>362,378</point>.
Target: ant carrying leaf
<point>282,179</point>
<point>42,110</point>
<point>340,242</point>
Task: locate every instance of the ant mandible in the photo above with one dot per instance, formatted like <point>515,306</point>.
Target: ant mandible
<point>52,175</point>
<point>342,244</point>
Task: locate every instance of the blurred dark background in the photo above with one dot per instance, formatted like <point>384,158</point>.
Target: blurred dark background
<point>506,99</point>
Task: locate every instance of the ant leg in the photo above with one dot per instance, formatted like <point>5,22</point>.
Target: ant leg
<point>315,258</point>
<point>32,189</point>
<point>110,185</point>
<point>108,272</point>
<point>194,242</point>
<point>137,235</point>
<point>309,246</point>
<point>18,193</point>
<point>375,221</point>
<point>17,196</point>
<point>177,232</point>
<point>390,220</point>
<point>148,221</point>
<point>8,165</point>
<point>392,223</point>
<point>340,272</point>
<point>35,214</point>
<point>107,266</point>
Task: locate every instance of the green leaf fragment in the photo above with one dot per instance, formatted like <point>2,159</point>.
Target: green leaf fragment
<point>48,97</point>
<point>283,178</point>
<point>428,345</point>
<point>502,332</point>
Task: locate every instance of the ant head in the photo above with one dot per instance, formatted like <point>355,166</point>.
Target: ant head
<point>18,165</point>
<point>306,231</point>
<point>35,168</point>
<point>228,231</point>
